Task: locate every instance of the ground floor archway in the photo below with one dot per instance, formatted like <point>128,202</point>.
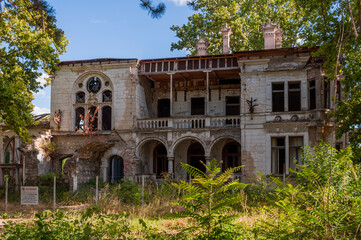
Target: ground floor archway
<point>195,156</point>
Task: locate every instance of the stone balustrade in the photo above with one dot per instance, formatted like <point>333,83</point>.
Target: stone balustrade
<point>189,123</point>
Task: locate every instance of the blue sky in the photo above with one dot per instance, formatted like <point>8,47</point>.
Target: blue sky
<point>114,29</point>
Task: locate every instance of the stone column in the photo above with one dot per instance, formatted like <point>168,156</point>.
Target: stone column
<point>208,160</point>
<point>171,94</point>
<point>171,165</point>
<point>287,152</point>
<point>207,99</point>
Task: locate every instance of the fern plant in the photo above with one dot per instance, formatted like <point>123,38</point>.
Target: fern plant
<point>208,198</point>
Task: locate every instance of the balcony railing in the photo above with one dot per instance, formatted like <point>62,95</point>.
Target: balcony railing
<point>189,123</point>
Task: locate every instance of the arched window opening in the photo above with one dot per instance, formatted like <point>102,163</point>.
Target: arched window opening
<point>94,85</point>
<point>80,97</point>
<point>79,119</point>
<point>93,118</point>
<point>107,118</point>
<point>160,163</point>
<point>107,96</point>
<point>231,155</point>
<point>116,169</point>
<point>196,155</point>
<point>10,152</point>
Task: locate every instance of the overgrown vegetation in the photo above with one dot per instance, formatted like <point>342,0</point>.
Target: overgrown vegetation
<point>321,200</point>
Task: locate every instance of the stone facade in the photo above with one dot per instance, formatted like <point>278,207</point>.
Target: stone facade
<point>168,111</point>
<point>126,118</point>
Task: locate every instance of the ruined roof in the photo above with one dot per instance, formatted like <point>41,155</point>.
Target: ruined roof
<point>98,61</point>
<point>243,53</point>
<point>277,51</point>
<point>42,119</point>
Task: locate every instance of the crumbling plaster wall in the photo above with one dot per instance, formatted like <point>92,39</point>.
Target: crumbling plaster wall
<point>35,153</point>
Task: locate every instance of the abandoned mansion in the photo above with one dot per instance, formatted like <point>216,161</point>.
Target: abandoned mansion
<point>125,118</point>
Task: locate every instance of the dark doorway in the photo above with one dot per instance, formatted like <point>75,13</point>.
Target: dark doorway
<point>164,107</point>
<point>160,163</point>
<point>197,106</point>
<point>196,155</point>
<point>116,169</point>
<point>231,155</point>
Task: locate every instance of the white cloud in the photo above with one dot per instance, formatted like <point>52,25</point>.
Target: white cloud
<point>179,2</point>
<point>37,110</point>
<point>41,79</point>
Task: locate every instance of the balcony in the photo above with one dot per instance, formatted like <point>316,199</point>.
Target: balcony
<point>189,123</point>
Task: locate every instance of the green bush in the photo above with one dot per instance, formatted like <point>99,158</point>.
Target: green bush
<point>325,201</point>
<point>208,199</point>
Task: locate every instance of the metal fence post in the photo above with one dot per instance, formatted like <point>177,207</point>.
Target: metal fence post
<point>96,190</point>
<point>54,194</point>
<point>142,190</point>
<point>6,193</point>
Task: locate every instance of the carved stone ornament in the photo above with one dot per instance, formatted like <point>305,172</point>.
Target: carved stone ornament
<point>92,99</point>
<point>294,118</point>
<point>278,118</point>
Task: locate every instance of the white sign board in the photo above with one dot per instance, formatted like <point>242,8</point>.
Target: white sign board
<point>29,195</point>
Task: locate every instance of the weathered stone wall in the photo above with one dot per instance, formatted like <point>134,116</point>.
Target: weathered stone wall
<point>122,78</point>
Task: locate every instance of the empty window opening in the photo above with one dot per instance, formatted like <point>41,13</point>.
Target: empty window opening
<point>93,118</point>
<point>294,97</point>
<point>197,106</point>
<point>278,156</point>
<point>107,118</point>
<point>312,94</point>
<point>232,105</point>
<point>10,151</point>
<point>296,144</point>
<point>326,94</point>
<point>338,146</point>
<point>107,96</point>
<point>164,107</point>
<point>278,101</point>
<point>80,97</point>
<point>231,155</point>
<point>195,156</point>
<point>116,169</point>
<point>160,162</point>
<point>79,119</point>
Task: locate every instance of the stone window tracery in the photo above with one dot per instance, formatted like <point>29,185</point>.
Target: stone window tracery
<point>107,96</point>
<point>93,107</point>
<point>80,97</point>
<point>94,85</point>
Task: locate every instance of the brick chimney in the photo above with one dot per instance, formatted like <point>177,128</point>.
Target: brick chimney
<point>226,32</point>
<point>272,35</point>
<point>202,47</point>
